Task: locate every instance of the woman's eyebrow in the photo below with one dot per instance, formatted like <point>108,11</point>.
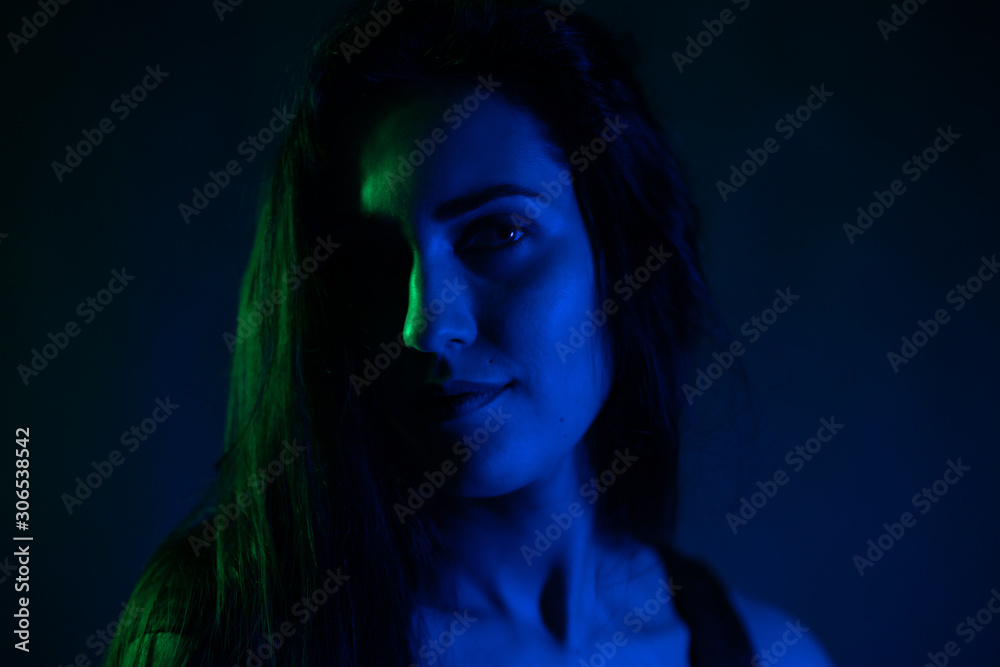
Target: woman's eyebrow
<point>465,203</point>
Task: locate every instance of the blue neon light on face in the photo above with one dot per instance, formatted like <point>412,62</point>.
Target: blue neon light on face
<point>490,284</point>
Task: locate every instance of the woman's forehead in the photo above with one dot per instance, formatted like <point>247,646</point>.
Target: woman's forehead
<point>434,149</point>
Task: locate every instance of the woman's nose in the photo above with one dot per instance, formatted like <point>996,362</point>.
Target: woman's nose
<point>439,311</point>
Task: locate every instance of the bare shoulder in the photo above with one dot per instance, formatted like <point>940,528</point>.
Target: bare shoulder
<point>779,635</point>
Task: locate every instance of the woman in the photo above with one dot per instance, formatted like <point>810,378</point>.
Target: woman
<point>456,442</point>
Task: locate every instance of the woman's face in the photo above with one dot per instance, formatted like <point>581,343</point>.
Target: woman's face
<point>491,384</point>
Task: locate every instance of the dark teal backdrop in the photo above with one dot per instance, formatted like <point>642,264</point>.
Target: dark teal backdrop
<point>154,358</point>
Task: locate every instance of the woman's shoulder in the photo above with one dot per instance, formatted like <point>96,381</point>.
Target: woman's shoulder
<point>175,599</point>
<point>778,635</point>
<point>725,623</point>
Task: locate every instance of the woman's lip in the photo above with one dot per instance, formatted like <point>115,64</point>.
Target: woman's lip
<point>445,408</point>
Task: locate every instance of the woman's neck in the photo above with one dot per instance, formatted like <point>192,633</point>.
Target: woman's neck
<point>531,556</point>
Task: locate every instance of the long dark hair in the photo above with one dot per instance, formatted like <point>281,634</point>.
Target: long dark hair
<point>330,509</point>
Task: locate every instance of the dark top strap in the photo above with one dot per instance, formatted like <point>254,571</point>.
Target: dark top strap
<point>718,638</point>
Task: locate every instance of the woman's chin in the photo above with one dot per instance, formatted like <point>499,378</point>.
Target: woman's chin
<point>481,482</point>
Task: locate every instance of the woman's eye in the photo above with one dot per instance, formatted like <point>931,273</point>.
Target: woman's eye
<point>498,233</point>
